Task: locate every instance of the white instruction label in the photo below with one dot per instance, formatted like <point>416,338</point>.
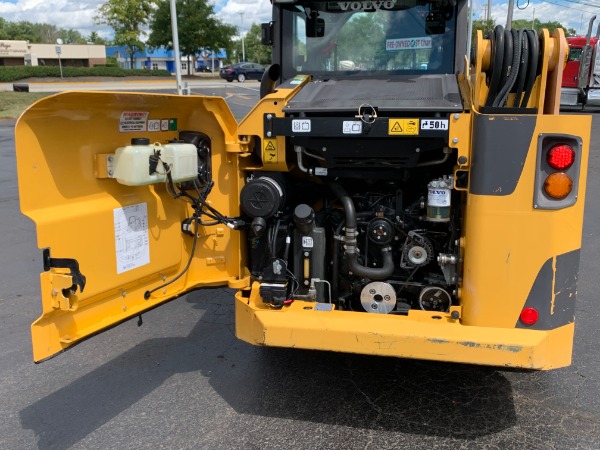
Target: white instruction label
<point>352,127</point>
<point>307,242</point>
<point>434,124</point>
<point>133,121</point>
<point>301,125</point>
<point>154,125</point>
<point>131,237</point>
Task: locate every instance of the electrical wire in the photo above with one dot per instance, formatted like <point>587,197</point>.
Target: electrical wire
<point>147,294</point>
<point>198,204</point>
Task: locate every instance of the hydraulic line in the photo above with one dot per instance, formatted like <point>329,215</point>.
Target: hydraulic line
<point>373,273</point>
<point>532,64</point>
<point>515,38</point>
<point>497,40</point>
<point>520,84</point>
<point>513,67</point>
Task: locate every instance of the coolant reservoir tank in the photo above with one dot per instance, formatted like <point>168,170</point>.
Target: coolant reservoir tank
<point>136,164</point>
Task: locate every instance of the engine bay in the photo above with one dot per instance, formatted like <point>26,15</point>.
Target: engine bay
<point>377,245</point>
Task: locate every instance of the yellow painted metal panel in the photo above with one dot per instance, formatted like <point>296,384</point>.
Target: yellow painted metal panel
<point>507,240</point>
<point>57,141</point>
<point>420,335</point>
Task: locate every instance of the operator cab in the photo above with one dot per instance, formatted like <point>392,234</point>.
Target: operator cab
<point>396,55</point>
<point>373,38</point>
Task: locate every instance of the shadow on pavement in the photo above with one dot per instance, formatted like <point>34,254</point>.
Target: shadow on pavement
<point>416,397</point>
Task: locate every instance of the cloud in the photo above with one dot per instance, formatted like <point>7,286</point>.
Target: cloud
<point>67,14</point>
<point>79,15</point>
<point>253,12</point>
<point>544,12</point>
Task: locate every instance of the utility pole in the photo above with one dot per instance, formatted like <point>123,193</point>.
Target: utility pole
<point>509,17</point>
<point>488,11</point>
<point>176,54</point>
<point>242,35</point>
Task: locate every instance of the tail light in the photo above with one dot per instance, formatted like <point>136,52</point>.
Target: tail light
<point>557,176</point>
<point>529,316</point>
<point>561,157</point>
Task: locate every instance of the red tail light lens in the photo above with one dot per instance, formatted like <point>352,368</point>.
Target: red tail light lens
<point>561,157</point>
<point>529,316</point>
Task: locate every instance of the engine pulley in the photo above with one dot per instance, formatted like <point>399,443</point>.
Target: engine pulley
<point>378,297</point>
<point>417,251</point>
<point>433,298</point>
<point>380,231</point>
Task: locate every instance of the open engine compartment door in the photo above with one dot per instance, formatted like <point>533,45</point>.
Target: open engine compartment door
<point>108,247</point>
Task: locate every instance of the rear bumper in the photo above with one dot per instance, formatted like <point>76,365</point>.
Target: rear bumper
<point>569,97</point>
<point>418,336</point>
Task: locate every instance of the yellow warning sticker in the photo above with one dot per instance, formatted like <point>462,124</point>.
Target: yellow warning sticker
<point>270,151</point>
<point>403,126</point>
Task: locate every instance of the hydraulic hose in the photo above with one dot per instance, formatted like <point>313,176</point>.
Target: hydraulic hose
<point>515,38</point>
<point>520,84</point>
<point>513,66</point>
<point>497,38</point>
<point>373,273</point>
<point>532,65</point>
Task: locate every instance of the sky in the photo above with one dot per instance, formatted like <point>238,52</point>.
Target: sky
<point>79,15</point>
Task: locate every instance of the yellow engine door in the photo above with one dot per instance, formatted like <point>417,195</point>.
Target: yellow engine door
<point>113,251</point>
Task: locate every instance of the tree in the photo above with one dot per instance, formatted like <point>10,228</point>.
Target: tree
<point>255,50</point>
<point>95,38</point>
<point>198,28</point>
<point>38,33</point>
<point>126,18</point>
<point>485,25</point>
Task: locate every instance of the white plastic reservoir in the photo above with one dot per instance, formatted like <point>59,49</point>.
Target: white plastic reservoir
<point>132,164</point>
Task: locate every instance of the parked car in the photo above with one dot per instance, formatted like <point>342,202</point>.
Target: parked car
<point>242,72</point>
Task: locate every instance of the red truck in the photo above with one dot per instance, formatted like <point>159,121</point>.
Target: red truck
<point>581,76</point>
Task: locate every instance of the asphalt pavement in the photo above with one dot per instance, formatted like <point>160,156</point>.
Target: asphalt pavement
<point>182,380</point>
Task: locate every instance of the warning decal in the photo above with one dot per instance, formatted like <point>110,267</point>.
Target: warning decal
<point>133,121</point>
<point>403,126</point>
<point>270,151</point>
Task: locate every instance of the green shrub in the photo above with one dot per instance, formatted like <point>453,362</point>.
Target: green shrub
<point>14,73</point>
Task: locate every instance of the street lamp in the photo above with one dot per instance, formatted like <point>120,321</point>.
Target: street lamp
<point>175,37</point>
<point>58,49</point>
<point>242,34</point>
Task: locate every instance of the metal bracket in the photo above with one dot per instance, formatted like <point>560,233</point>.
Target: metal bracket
<point>64,263</point>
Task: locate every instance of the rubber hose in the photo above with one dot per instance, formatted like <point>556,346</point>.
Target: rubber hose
<point>507,61</point>
<point>373,273</point>
<point>522,68</point>
<point>514,68</point>
<point>532,65</point>
<point>497,40</point>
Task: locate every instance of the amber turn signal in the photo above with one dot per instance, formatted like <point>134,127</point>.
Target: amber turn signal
<point>558,185</point>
